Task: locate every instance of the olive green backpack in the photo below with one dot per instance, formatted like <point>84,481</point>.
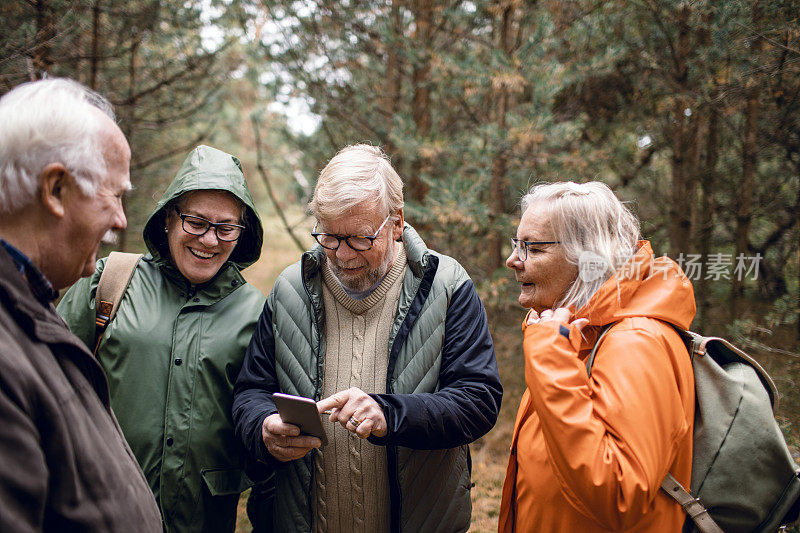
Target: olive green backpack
<point>743,476</point>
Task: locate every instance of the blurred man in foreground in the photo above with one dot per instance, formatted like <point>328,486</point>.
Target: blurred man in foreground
<point>63,171</point>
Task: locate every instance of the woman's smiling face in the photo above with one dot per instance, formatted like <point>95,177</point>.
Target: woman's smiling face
<point>545,275</point>
<point>199,257</point>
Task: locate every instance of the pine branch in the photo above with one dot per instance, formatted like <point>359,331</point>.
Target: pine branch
<point>265,176</point>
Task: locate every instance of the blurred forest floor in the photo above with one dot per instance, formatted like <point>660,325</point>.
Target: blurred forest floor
<point>490,453</point>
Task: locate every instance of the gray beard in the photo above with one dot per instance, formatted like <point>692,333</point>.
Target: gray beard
<point>367,280</point>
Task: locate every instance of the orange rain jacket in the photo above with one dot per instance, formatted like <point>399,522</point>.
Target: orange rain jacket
<point>589,454</point>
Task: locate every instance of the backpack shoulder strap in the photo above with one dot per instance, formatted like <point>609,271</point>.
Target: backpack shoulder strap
<point>690,339</point>
<point>113,282</point>
<point>692,506</point>
<point>593,353</point>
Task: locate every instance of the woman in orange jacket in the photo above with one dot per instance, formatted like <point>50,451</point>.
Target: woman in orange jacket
<point>590,453</point>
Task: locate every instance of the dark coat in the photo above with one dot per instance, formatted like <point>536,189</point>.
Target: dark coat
<point>65,464</point>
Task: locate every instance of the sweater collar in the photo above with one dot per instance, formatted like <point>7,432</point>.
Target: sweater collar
<point>360,306</point>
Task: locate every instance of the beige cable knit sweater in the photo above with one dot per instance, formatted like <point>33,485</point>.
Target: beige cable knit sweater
<point>351,493</point>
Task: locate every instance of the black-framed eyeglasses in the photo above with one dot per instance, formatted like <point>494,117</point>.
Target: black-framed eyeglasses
<point>359,243</point>
<point>199,226</point>
<point>521,246</point>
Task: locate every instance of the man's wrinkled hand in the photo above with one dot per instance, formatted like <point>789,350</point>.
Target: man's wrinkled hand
<point>356,411</point>
<point>284,441</point>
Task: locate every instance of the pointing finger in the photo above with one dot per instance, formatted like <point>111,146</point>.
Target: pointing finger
<point>336,401</point>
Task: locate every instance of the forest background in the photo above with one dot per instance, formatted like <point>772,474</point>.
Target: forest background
<point>690,110</point>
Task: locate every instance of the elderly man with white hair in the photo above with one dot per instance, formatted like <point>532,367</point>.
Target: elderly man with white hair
<point>392,339</point>
<point>63,170</point>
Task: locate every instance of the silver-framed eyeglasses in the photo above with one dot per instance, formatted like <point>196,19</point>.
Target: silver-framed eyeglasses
<point>199,226</point>
<point>522,247</point>
<point>359,243</point>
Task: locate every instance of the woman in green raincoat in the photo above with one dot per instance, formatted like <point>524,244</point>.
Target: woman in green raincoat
<point>174,350</point>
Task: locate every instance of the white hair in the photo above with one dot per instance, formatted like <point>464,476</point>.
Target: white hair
<point>49,121</point>
<point>589,221</point>
<point>357,173</point>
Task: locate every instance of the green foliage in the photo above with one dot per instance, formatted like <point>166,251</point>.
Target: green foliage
<point>476,101</point>
<point>689,110</point>
<point>164,66</point>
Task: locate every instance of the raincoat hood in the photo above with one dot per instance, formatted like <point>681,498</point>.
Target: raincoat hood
<point>207,168</point>
<point>645,286</point>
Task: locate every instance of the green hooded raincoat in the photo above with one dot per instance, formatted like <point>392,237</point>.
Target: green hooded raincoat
<point>172,355</point>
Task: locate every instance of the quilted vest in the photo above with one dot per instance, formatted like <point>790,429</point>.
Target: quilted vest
<point>429,489</point>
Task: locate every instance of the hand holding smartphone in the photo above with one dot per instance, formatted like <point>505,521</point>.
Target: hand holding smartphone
<point>301,412</point>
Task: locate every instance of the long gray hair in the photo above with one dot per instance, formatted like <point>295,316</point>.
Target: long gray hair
<point>592,225</point>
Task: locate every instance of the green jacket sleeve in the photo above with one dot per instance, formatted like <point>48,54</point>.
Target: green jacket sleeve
<point>77,306</point>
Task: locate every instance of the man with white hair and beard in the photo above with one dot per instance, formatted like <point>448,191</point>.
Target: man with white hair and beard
<point>392,339</point>
<point>63,170</point>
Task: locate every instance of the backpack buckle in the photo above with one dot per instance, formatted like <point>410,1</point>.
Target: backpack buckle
<point>699,345</point>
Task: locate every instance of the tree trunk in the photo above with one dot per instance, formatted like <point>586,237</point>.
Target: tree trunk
<point>129,120</point>
<point>94,59</point>
<point>392,82</point>
<point>744,207</point>
<point>45,32</point>
<point>497,186</point>
<point>683,137</point>
<point>707,209</point>
<point>421,103</point>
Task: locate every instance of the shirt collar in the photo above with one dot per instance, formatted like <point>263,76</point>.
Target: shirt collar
<point>42,288</point>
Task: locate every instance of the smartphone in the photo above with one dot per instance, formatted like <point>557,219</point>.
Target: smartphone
<point>302,412</point>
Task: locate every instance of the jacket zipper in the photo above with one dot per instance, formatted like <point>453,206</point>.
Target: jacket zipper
<point>317,391</point>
